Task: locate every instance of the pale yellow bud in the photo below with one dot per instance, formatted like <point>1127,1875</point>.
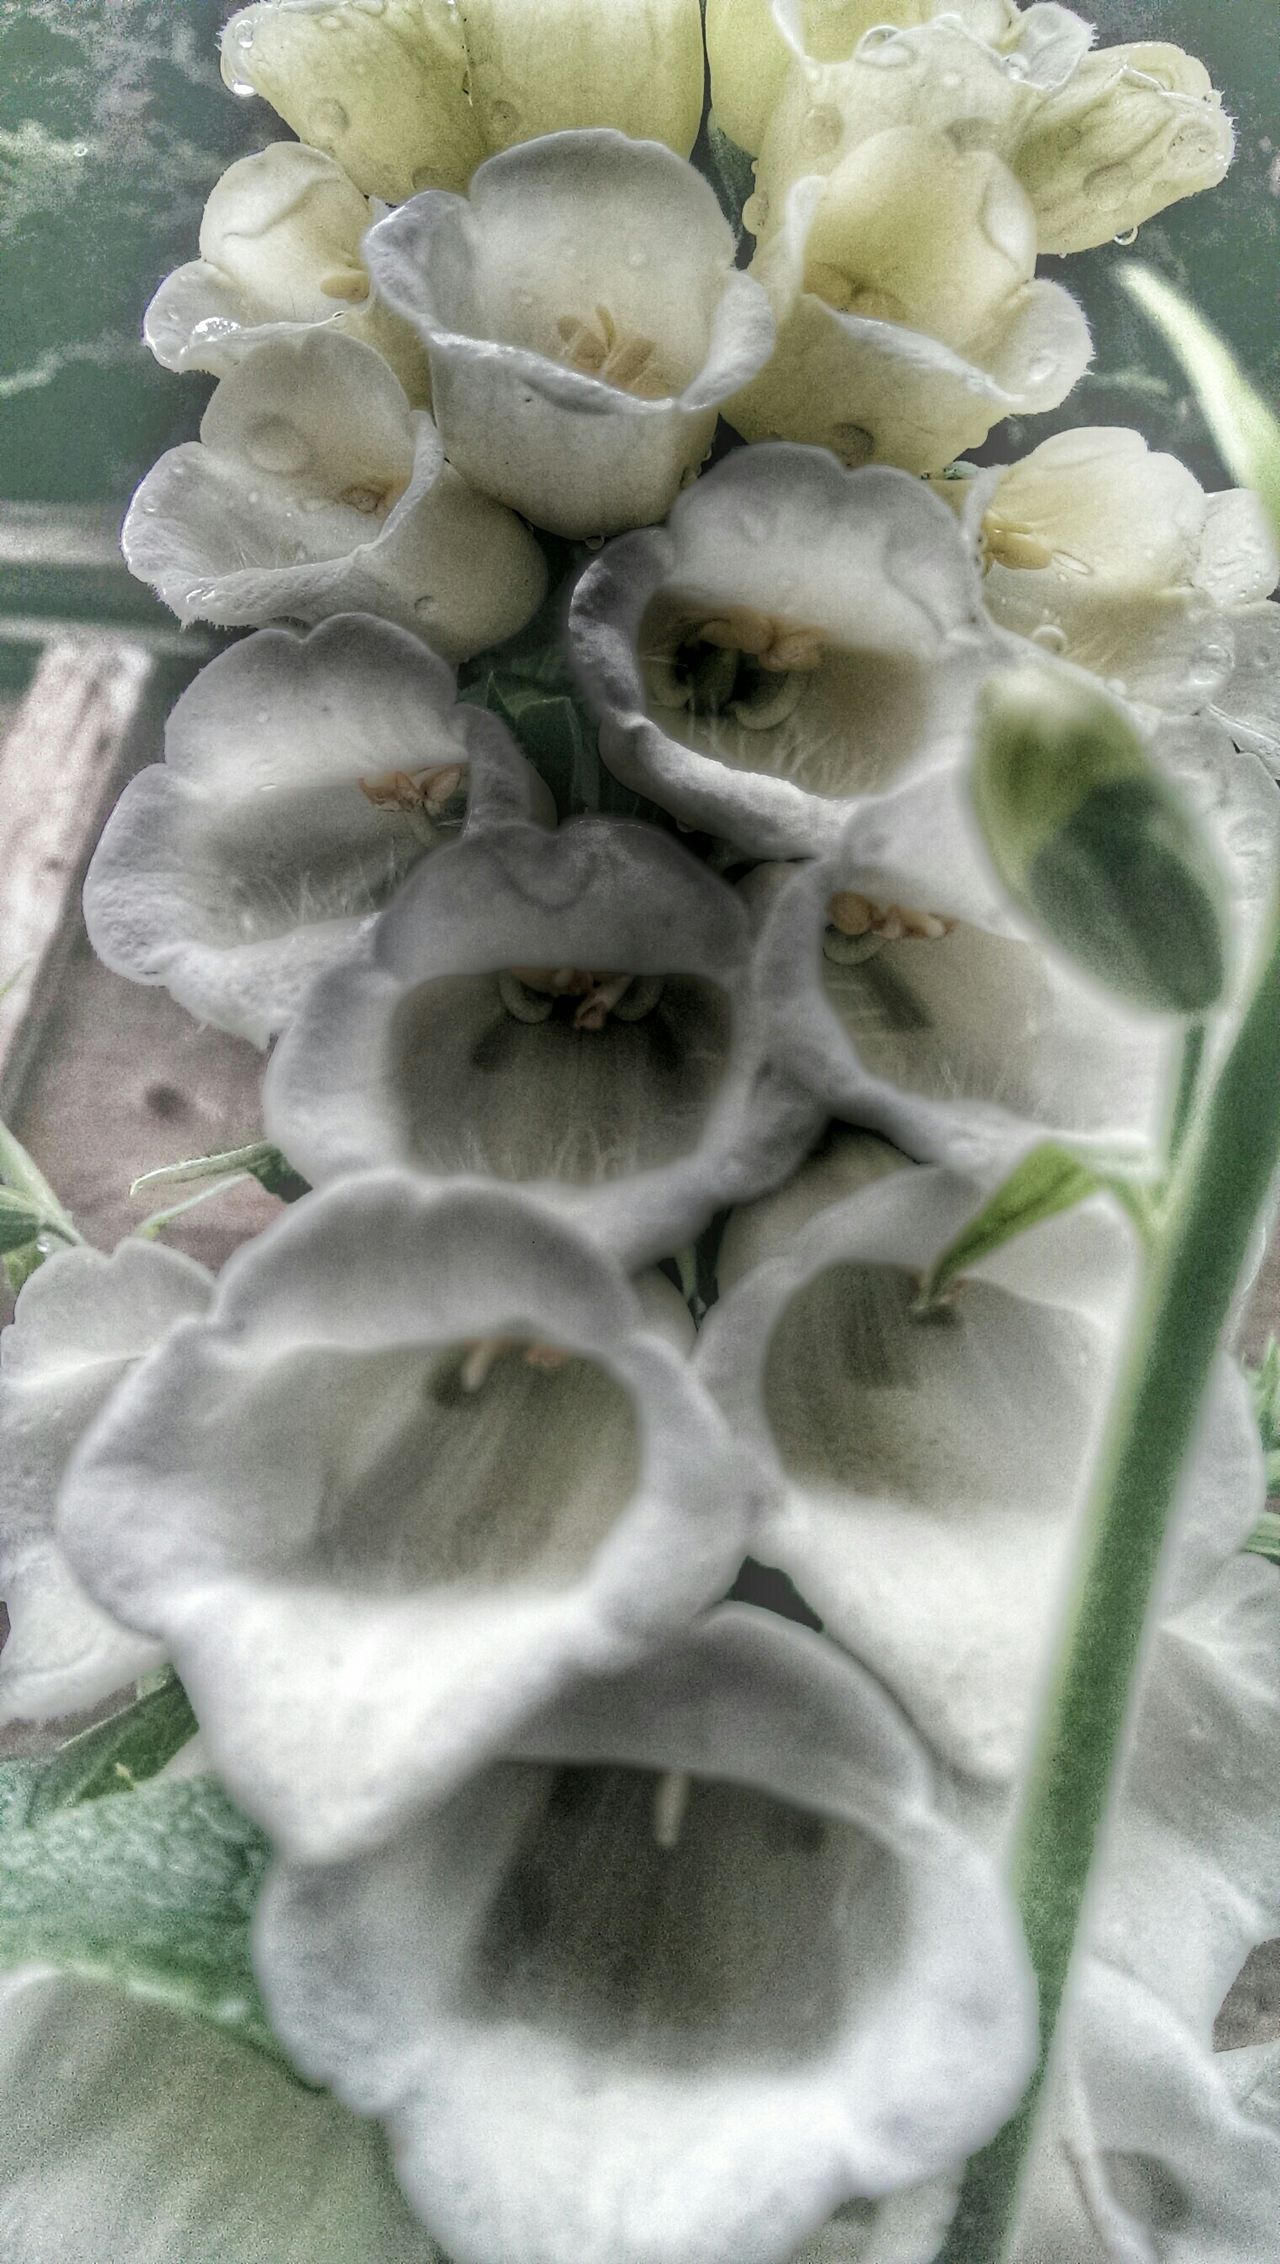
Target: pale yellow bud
<point>1134,129</point>
<point>546,66</point>
<point>380,85</point>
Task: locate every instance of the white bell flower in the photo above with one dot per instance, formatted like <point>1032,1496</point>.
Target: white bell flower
<point>699,1962</point>
<point>82,1322</point>
<point>584,321</point>
<point>1111,553</point>
<point>910,320</point>
<point>1099,141</point>
<point>903,994</point>
<point>794,637</point>
<point>314,489</point>
<point>304,777</point>
<point>572,1012</point>
<point>930,1471</point>
<point>128,2130</point>
<point>1153,2145</point>
<point>541,66</point>
<point>379,85</point>
<point>279,252</point>
<point>428,1457</point>
<point>752,44</point>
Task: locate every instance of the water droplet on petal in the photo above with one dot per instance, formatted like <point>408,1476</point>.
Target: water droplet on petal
<point>1127,236</point>
<point>331,114</point>
<point>1049,637</point>
<point>275,445</point>
<point>505,117</point>
<point>1041,368</point>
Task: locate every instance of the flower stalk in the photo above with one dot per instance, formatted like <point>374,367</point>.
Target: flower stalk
<point>1221,1185</point>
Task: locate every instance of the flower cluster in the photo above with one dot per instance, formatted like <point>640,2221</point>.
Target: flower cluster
<point>603,847</point>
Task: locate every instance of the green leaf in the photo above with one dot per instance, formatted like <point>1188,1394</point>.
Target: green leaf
<point>1245,427</point>
<point>151,1892</point>
<point>1047,1181</point>
<point>1095,844</point>
<point>559,738</point>
<point>20,1221</point>
<point>260,1158</point>
<point>20,1173</point>
<point>118,1754</point>
<point>1264,1541</point>
<point>732,174</point>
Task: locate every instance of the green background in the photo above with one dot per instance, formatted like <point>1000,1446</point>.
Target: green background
<point>114,123</point>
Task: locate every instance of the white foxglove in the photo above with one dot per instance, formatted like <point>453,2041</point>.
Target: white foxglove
<point>303,778</point>
<point>428,1458</point>
<point>315,489</point>
<point>584,321</point>
<point>702,1962</point>
<point>279,252</point>
<point>573,1013</point>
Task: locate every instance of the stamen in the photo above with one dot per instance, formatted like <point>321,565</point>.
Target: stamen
<point>418,795</point>
<point>854,915</point>
<point>530,993</point>
<point>346,283</point>
<point>670,1806</point>
<point>596,349</point>
<point>1007,544</point>
<point>484,1352</point>
<point>367,500</point>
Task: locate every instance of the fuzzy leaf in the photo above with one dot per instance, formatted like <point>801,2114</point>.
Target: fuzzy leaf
<point>118,1754</point>
<point>151,1893</point>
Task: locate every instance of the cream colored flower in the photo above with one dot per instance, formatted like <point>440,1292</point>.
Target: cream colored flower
<point>315,489</point>
<point>279,252</point>
<point>909,318</point>
<point>751,45</point>
<point>540,66</point>
<point>1134,129</point>
<point>380,85</point>
<point>1099,142</point>
<point>585,322</point>
<point>1110,553</point>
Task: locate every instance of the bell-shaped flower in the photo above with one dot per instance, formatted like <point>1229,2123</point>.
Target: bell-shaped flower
<point>1099,141</point>
<point>304,777</point>
<point>584,322</point>
<point>1111,553</point>
<point>901,991</point>
<point>1151,2144</point>
<point>794,637</point>
<point>752,45</point>
<point>130,2130</point>
<point>1133,130</point>
<point>931,1468</point>
<point>909,317</point>
<point>315,489</point>
<point>82,1322</point>
<point>572,1012</point>
<point>428,1456</point>
<point>279,252</point>
<point>379,85</point>
<point>542,66</point>
<point>699,1962</point>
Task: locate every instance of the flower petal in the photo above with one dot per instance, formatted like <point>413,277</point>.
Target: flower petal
<point>541,66</point>
<point>81,1322</point>
<point>611,2048</point>
<point>315,490</point>
<point>372,1535</point>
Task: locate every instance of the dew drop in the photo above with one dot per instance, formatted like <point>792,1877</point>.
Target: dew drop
<point>1042,367</point>
<point>1126,236</point>
<point>821,130</point>
<point>1049,637</point>
<point>242,36</point>
<point>241,87</point>
<point>884,46</point>
<point>425,606</point>
<point>504,117</point>
<point>275,445</point>
<point>331,114</point>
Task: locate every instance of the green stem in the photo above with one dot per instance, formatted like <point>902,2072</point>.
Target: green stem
<point>1221,1185</point>
<point>1188,1085</point>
